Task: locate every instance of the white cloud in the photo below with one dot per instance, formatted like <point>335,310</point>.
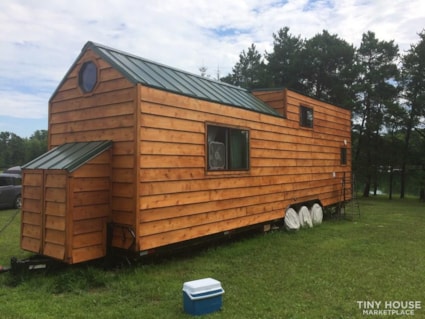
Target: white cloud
<point>23,105</point>
<point>40,40</point>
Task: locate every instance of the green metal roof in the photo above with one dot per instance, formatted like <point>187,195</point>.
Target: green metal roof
<point>69,156</point>
<point>156,75</point>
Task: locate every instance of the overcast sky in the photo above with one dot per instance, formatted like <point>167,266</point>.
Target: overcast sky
<point>40,40</point>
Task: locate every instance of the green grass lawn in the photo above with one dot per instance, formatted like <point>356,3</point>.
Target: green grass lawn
<point>316,273</point>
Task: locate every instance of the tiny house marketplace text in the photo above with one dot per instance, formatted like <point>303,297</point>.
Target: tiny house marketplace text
<point>389,308</point>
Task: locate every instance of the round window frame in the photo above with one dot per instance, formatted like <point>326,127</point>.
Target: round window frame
<point>88,81</point>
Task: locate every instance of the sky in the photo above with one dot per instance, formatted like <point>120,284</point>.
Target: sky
<point>40,40</point>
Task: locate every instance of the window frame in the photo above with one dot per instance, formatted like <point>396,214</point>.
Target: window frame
<point>82,84</point>
<point>226,132</point>
<point>305,121</point>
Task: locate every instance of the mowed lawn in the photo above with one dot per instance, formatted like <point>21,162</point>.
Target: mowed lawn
<point>322,272</point>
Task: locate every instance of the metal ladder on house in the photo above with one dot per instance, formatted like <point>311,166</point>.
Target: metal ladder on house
<point>350,208</point>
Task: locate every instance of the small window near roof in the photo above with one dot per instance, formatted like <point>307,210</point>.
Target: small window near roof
<point>87,77</point>
<point>306,116</point>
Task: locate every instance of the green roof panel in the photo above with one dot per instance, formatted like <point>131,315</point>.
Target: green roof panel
<point>156,75</point>
<point>69,156</point>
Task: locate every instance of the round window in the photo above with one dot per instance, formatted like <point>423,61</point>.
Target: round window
<point>87,77</point>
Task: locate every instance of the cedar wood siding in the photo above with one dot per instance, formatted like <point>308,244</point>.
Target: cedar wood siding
<point>160,186</point>
<point>64,214</point>
<point>44,218</point>
<point>107,113</point>
<point>90,209</point>
<point>318,148</point>
<point>274,98</point>
<point>181,200</point>
<point>32,203</point>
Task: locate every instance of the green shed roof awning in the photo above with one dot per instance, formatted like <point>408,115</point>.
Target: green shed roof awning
<point>69,156</point>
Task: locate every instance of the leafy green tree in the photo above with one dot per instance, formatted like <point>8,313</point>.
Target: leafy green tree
<point>376,90</point>
<point>413,82</point>
<point>420,148</point>
<point>16,151</point>
<point>12,149</point>
<point>250,71</point>
<point>327,64</point>
<point>36,145</point>
<point>391,157</point>
<point>284,62</point>
<point>416,163</point>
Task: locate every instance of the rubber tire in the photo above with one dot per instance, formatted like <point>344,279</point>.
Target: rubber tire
<point>316,212</point>
<point>291,220</point>
<point>305,217</point>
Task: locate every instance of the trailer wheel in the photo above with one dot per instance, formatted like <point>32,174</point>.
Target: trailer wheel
<point>291,220</point>
<point>305,217</point>
<point>316,213</point>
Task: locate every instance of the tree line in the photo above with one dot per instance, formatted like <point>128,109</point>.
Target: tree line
<point>16,151</point>
<point>383,87</point>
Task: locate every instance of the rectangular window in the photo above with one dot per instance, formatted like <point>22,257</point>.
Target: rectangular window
<point>306,116</point>
<point>343,156</point>
<point>228,148</point>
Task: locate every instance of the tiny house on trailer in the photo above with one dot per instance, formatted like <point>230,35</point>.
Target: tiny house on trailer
<point>143,156</point>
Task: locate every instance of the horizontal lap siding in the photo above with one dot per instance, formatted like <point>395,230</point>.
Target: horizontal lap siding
<point>275,99</point>
<point>108,113</point>
<point>65,214</point>
<point>91,208</point>
<point>32,206</point>
<point>55,219</point>
<point>315,152</point>
<point>331,130</point>
<point>179,200</point>
<point>44,212</point>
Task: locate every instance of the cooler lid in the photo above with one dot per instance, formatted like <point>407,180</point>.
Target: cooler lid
<point>201,286</point>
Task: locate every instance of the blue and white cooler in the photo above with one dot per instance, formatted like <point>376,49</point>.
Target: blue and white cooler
<point>202,296</point>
